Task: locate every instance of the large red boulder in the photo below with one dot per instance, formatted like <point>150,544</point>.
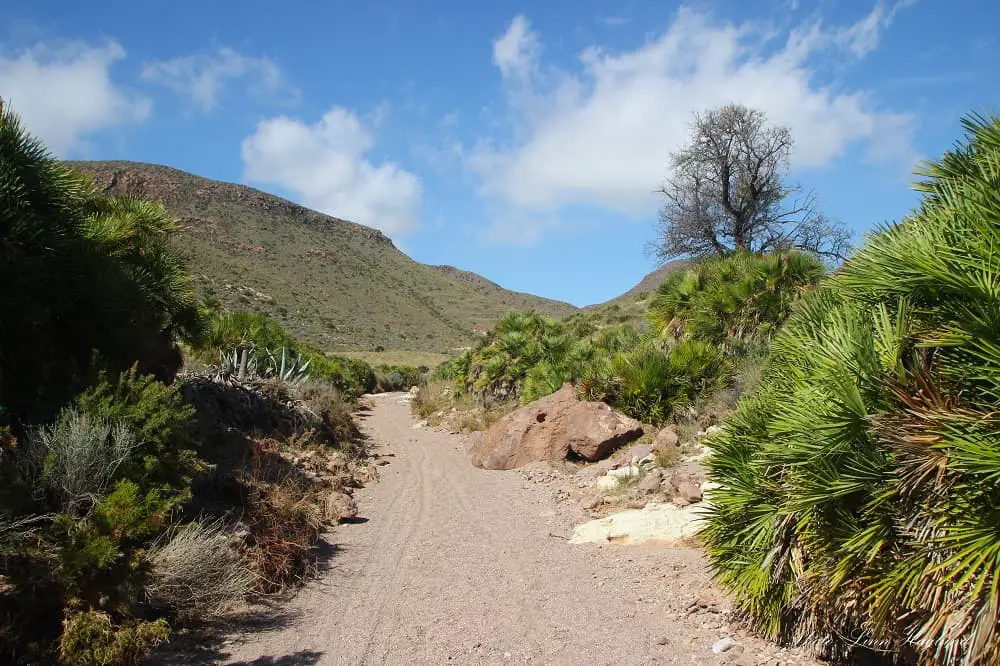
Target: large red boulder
<point>549,428</point>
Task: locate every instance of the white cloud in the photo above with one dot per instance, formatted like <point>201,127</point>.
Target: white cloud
<point>64,93</point>
<point>203,77</point>
<point>602,135</point>
<point>516,51</point>
<point>860,38</point>
<point>325,164</point>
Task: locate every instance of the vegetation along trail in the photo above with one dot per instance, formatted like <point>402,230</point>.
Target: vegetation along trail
<point>471,566</point>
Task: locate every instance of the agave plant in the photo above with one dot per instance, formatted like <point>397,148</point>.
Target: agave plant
<point>249,363</point>
<point>237,364</point>
<point>287,368</point>
<point>860,503</point>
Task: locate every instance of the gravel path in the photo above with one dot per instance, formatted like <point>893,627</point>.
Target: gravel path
<point>457,564</point>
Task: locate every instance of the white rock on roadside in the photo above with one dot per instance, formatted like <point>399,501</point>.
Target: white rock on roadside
<point>613,477</point>
<point>607,483</point>
<point>655,522</point>
<point>723,645</point>
<point>623,472</point>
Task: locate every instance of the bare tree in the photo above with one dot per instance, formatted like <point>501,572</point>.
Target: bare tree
<point>727,192</point>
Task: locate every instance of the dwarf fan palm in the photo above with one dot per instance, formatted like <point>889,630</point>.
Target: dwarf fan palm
<point>81,273</point>
<point>860,502</point>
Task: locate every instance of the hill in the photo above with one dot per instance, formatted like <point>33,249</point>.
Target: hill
<point>647,285</point>
<point>630,307</point>
<point>340,285</point>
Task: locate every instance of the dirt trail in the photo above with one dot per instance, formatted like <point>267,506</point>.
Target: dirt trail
<point>457,564</point>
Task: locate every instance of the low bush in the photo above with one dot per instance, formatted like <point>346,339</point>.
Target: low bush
<point>90,638</point>
<point>74,460</point>
<point>651,381</point>
<point>859,503</point>
<point>284,515</point>
<point>336,420</point>
<point>431,398</point>
<point>397,377</point>
<point>667,457</point>
<point>737,302</point>
<point>196,573</point>
<point>159,417</point>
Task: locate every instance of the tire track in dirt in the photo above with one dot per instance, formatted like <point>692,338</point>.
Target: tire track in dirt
<point>412,523</point>
<point>457,564</point>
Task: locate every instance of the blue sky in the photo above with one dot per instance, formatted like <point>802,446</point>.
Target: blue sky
<point>520,141</point>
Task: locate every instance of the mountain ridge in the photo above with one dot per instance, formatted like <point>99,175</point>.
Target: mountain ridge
<point>336,283</point>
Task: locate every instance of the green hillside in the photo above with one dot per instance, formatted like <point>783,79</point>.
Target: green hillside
<point>337,284</point>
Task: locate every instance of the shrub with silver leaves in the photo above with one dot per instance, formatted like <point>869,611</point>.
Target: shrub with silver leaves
<point>76,458</point>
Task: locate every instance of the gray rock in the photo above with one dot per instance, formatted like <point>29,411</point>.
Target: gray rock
<point>340,506</point>
<point>723,645</point>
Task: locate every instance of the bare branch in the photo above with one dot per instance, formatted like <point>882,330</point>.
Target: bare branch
<point>727,192</point>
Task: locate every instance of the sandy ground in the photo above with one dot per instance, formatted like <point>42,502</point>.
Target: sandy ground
<point>461,565</point>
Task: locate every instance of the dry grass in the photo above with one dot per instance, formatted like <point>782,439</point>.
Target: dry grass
<point>431,398</point>
<point>398,357</point>
<point>436,404</point>
<point>475,418</point>
<point>687,432</point>
<point>459,414</point>
<point>196,573</point>
<point>667,456</point>
<point>284,515</point>
<point>335,414</point>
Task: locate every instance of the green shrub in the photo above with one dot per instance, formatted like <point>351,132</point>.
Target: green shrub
<point>227,330</point>
<point>496,371</point>
<point>650,381</point>
<point>859,503</point>
<point>158,416</point>
<point>359,374</point>
<point>91,639</point>
<point>541,380</point>
<point>737,302</point>
<point>397,377</point>
<point>109,474</point>
<point>445,371</point>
